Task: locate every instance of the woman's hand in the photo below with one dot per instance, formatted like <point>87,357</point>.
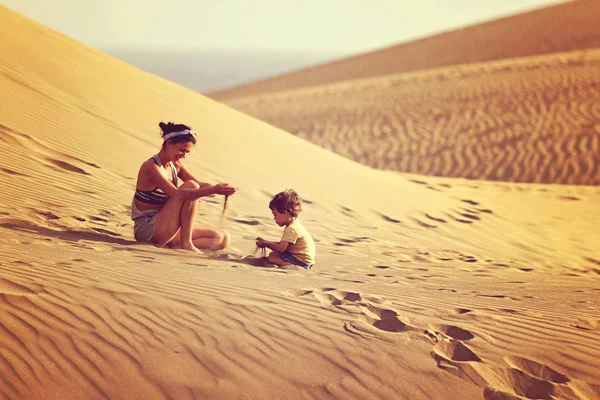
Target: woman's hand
<point>223,189</point>
<point>260,242</point>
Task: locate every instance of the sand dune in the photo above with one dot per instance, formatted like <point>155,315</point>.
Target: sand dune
<point>564,27</point>
<point>424,288</point>
<point>532,119</point>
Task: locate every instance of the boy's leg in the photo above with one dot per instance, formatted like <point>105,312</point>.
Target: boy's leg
<point>275,258</point>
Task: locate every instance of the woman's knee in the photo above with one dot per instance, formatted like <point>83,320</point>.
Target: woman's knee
<point>224,239</point>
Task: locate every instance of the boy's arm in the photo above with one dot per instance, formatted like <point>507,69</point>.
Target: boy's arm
<point>278,247</point>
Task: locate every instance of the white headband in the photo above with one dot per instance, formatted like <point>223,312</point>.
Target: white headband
<point>180,133</point>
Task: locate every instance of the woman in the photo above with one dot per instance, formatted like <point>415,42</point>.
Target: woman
<point>164,212</point>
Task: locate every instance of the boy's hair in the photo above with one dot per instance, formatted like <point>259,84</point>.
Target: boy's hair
<point>288,200</point>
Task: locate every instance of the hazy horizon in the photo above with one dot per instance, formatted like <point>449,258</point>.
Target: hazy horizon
<point>207,70</point>
<point>232,42</point>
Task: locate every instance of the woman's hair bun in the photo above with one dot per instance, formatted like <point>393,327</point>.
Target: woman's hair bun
<point>164,126</point>
<point>172,127</point>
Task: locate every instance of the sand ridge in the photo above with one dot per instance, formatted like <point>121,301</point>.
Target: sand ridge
<point>531,119</point>
<point>424,287</point>
<point>559,28</point>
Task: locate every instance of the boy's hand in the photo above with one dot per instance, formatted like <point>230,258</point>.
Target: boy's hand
<point>260,242</point>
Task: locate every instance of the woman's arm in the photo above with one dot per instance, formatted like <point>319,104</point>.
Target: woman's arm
<point>186,175</point>
<point>170,190</point>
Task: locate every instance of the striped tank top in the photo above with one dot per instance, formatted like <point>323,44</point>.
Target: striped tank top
<point>156,196</point>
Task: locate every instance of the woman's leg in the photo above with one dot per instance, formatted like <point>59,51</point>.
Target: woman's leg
<point>187,217</point>
<point>205,238</point>
<point>217,239</point>
<point>171,216</point>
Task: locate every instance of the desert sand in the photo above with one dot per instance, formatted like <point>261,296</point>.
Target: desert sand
<point>572,25</point>
<point>532,119</point>
<point>424,287</point>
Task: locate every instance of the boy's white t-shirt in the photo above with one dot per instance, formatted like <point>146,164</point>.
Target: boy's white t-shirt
<point>301,244</point>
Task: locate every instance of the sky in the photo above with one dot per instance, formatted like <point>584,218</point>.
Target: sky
<point>327,26</point>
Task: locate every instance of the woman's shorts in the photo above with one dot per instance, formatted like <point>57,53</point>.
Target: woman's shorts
<point>144,224</point>
<point>289,257</point>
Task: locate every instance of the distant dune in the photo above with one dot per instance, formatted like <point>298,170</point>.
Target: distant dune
<point>203,70</point>
<point>533,119</point>
<point>564,27</point>
<point>423,288</point>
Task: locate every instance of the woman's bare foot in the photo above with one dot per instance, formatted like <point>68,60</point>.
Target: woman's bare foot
<point>191,247</point>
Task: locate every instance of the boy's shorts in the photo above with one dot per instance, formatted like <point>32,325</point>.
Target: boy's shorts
<point>289,257</point>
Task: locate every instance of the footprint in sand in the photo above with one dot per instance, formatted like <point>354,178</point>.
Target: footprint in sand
<point>66,166</point>
<point>471,202</point>
<point>423,224</point>
<point>448,290</point>
<point>251,222</point>
<point>449,351</point>
<point>405,258</point>
<point>11,172</point>
<point>572,198</point>
<point>461,220</point>
<point>461,310</point>
<point>453,332</point>
<point>333,297</point>
<point>107,232</point>
<point>467,258</point>
<point>367,307</point>
<point>531,380</point>
<point>38,150</point>
<point>453,350</point>
<point>386,320</point>
<point>519,383</point>
<point>593,261</point>
<point>589,324</point>
<point>20,262</point>
<point>497,296</point>
<point>340,244</point>
<point>47,214</point>
<point>388,219</point>
<point>297,293</point>
<point>435,219</point>
<point>471,216</point>
<point>64,263</point>
<point>358,239</point>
